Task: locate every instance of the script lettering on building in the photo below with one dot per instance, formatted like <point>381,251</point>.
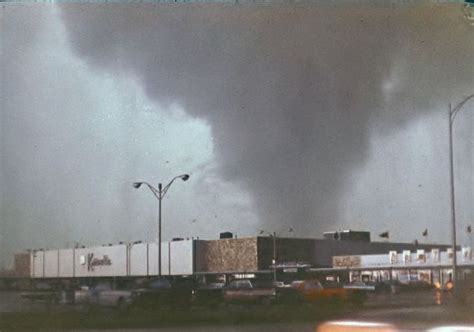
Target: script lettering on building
<point>94,261</point>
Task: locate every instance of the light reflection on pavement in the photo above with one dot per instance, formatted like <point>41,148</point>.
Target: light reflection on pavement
<point>286,327</point>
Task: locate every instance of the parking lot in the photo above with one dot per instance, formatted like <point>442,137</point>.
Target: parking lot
<point>413,308</point>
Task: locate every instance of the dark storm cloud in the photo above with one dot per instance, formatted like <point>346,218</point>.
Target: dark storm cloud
<point>68,145</point>
<point>291,92</point>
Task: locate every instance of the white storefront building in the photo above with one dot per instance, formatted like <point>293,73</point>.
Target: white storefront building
<point>432,266</point>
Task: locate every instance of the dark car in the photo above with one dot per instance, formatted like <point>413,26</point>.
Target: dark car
<point>417,285</point>
<point>43,292</point>
<point>246,291</point>
<point>164,293</point>
<point>210,295</point>
<point>395,286</point>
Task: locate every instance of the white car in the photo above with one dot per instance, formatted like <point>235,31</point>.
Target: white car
<point>103,295</point>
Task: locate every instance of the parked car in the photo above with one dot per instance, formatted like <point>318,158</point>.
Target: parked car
<point>82,294</point>
<point>42,292</point>
<point>279,284</point>
<point>249,291</point>
<point>209,294</point>
<point>416,285</point>
<point>104,295</point>
<point>164,293</point>
<point>313,291</point>
<point>466,289</point>
<point>361,286</point>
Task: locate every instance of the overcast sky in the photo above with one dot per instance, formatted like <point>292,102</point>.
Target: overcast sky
<point>305,116</point>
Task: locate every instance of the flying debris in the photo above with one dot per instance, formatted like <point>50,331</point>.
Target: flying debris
<point>384,235</point>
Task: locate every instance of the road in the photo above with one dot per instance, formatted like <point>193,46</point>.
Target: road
<point>406,319</point>
<point>12,302</point>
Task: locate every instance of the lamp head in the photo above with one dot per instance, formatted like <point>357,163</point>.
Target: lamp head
<point>137,185</point>
<point>185,177</point>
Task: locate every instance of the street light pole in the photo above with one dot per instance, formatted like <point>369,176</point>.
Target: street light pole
<point>453,202</point>
<point>452,116</point>
<point>274,236</point>
<point>159,194</point>
<point>274,257</point>
<point>160,190</point>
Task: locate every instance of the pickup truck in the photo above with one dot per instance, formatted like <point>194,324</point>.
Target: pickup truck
<point>248,291</point>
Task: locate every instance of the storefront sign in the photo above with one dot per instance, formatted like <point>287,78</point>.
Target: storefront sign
<point>346,261</point>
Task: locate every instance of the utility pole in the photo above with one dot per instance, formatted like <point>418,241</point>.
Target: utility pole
<point>452,116</point>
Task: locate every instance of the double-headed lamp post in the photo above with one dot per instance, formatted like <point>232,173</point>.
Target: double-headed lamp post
<point>274,236</point>
<point>159,194</point>
<point>452,116</point>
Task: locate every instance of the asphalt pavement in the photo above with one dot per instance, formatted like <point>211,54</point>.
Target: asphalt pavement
<point>416,311</point>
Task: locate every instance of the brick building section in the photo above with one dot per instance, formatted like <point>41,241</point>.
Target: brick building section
<point>22,265</point>
<point>227,255</point>
<point>250,254</point>
<point>256,254</point>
